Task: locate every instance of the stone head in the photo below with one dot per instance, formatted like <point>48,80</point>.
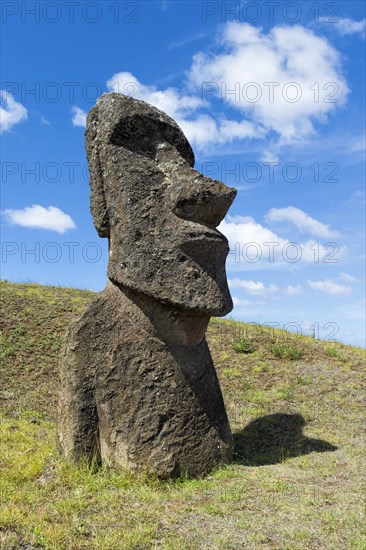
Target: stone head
<point>159,213</point>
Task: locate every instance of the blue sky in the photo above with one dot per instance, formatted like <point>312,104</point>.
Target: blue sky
<point>271,96</point>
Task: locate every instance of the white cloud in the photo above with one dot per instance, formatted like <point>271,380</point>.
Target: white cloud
<point>239,302</point>
<point>39,217</point>
<point>298,68</point>
<point>357,144</point>
<point>173,102</point>
<point>330,287</point>
<point>347,26</point>
<point>302,221</point>
<point>78,116</point>
<point>292,60</point>
<point>12,113</point>
<point>270,156</point>
<point>246,229</point>
<point>293,290</point>
<point>253,245</point>
<point>200,132</point>
<point>200,129</point>
<point>254,288</point>
<point>347,278</point>
<point>204,130</point>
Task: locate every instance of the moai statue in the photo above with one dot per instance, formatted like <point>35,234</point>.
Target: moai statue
<point>138,386</point>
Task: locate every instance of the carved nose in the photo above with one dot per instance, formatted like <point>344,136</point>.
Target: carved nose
<point>204,200</point>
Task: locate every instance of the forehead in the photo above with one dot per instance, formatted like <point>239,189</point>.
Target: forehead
<point>143,133</point>
<point>135,125</point>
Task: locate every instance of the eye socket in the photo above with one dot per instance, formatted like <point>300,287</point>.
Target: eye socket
<point>137,135</point>
<point>142,135</point>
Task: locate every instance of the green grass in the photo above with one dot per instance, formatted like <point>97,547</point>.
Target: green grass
<point>243,345</point>
<point>286,351</point>
<point>295,406</point>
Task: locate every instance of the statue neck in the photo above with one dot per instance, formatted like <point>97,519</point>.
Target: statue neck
<point>172,325</point>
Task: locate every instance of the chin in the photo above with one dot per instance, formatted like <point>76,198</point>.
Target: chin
<point>187,287</point>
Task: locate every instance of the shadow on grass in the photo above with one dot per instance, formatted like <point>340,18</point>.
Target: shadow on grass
<point>274,438</point>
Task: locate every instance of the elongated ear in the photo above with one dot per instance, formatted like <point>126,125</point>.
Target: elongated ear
<point>98,205</point>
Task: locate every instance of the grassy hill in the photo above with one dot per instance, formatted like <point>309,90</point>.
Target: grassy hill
<point>295,405</point>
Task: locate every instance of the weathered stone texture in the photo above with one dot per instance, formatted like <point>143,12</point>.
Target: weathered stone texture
<point>138,386</point>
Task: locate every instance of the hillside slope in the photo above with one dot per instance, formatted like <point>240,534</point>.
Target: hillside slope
<point>295,405</point>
